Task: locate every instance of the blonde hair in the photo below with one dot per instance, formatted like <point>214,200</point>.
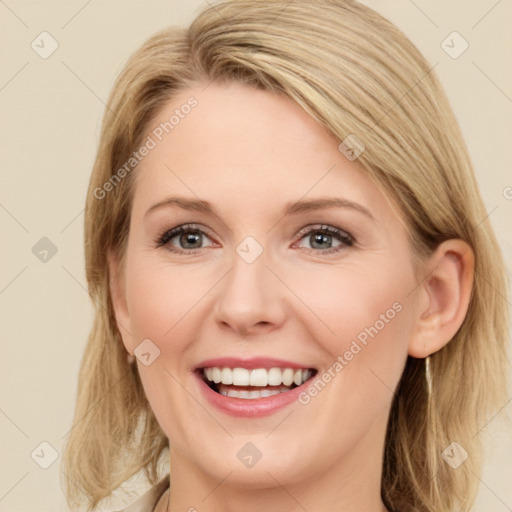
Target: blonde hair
<point>355,73</point>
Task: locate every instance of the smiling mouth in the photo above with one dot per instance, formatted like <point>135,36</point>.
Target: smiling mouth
<point>254,383</point>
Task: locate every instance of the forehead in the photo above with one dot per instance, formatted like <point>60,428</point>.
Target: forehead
<point>236,121</point>
<point>238,144</point>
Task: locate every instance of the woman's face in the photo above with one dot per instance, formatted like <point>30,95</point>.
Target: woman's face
<point>264,277</point>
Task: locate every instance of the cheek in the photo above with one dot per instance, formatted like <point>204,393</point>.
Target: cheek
<point>161,298</point>
<point>359,313</point>
<point>162,302</point>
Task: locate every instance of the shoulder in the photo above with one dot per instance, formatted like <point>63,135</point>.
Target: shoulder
<point>147,502</point>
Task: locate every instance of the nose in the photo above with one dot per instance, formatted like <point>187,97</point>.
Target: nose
<point>250,298</point>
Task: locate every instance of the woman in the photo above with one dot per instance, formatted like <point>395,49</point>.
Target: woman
<point>298,292</point>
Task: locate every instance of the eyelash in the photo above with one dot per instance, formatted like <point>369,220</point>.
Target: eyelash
<point>346,239</point>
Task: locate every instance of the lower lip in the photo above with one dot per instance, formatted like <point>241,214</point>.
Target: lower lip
<point>250,408</point>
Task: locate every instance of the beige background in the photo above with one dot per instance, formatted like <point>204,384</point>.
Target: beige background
<point>51,110</point>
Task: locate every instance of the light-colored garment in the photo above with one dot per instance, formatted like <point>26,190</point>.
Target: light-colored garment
<point>148,501</point>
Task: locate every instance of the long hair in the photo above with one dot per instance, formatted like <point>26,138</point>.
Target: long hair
<point>355,73</point>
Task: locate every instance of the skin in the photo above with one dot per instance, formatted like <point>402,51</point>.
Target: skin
<point>249,153</point>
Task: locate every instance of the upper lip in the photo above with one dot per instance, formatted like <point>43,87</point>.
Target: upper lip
<point>250,363</point>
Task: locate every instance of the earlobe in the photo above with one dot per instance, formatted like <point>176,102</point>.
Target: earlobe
<point>118,296</point>
<point>446,292</point>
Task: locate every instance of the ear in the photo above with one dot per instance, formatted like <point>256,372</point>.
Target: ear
<point>445,295</point>
<point>118,295</point>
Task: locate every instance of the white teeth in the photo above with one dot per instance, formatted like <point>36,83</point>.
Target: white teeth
<point>240,377</point>
<point>259,377</point>
<point>216,375</point>
<point>251,395</point>
<point>269,392</point>
<point>287,377</point>
<point>226,376</point>
<point>274,377</point>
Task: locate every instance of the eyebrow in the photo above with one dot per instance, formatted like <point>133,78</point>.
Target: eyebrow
<point>293,208</point>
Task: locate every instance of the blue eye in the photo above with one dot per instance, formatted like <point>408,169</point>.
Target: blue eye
<point>326,239</point>
<point>322,239</point>
<point>188,236</point>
